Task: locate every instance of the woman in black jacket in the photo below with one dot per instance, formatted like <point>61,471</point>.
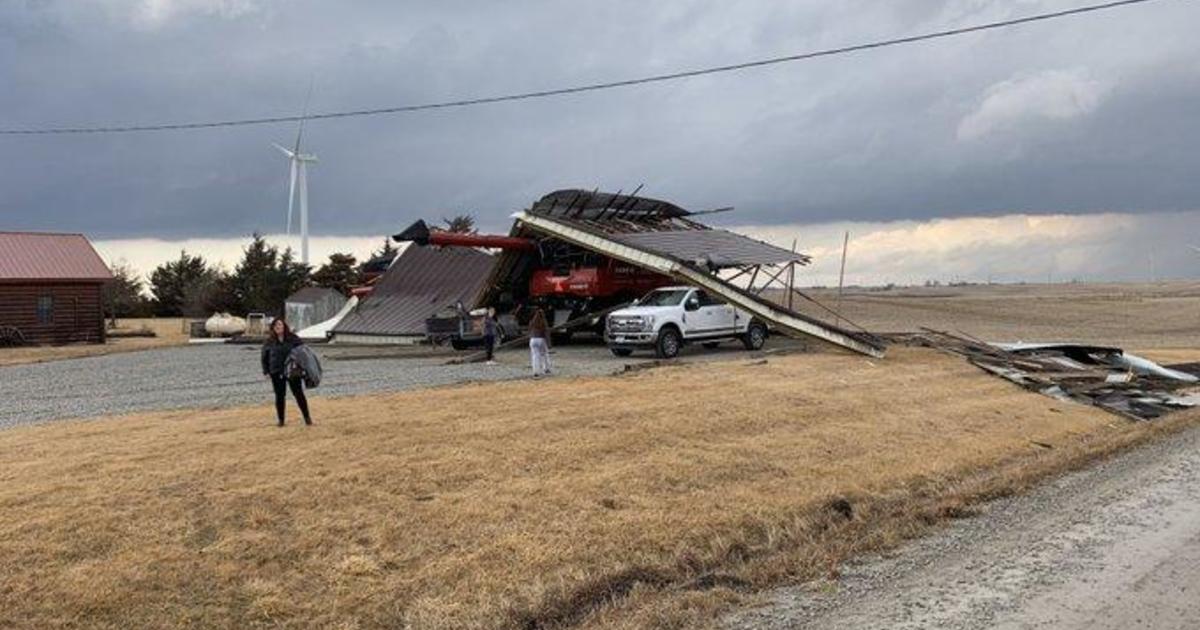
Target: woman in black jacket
<point>275,351</point>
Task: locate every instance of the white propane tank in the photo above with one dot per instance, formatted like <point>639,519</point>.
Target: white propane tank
<point>225,325</point>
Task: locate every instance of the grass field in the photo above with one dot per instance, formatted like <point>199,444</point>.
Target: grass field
<point>168,332</point>
<point>655,499</point>
<point>1142,315</point>
<point>648,500</point>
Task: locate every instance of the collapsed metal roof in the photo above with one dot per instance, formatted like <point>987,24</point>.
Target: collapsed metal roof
<point>660,227</point>
<point>582,204</point>
<point>421,282</point>
<point>662,237</point>
<point>1105,377</point>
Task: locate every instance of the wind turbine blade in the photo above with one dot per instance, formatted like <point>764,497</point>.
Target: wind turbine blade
<point>299,134</point>
<point>304,116</point>
<point>282,150</point>
<point>291,197</point>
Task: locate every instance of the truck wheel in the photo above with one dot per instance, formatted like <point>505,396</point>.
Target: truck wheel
<point>669,343</point>
<point>621,352</point>
<point>755,337</point>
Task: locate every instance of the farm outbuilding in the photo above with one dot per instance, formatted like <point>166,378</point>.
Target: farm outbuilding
<point>51,289</point>
<point>420,283</point>
<point>312,305</point>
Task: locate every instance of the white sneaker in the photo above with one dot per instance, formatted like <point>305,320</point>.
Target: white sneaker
<point>491,363</point>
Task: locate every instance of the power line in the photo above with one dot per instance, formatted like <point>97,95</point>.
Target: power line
<point>593,87</point>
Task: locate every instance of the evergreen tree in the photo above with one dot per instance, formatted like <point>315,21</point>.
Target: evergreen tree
<point>291,276</point>
<point>461,224</point>
<point>340,273</point>
<point>388,250</point>
<point>171,280</point>
<point>264,278</point>
<point>252,278</point>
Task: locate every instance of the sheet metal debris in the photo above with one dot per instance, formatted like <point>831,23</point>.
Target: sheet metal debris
<point>662,238</point>
<point>1106,377</point>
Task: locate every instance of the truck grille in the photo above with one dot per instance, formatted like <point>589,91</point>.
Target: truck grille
<point>625,324</point>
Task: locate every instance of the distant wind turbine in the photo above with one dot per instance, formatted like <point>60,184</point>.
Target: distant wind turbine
<point>299,174</point>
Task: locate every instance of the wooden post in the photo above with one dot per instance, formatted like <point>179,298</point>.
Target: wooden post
<point>791,277</point>
<point>842,273</point>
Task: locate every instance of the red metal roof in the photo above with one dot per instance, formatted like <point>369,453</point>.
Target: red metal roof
<point>45,256</point>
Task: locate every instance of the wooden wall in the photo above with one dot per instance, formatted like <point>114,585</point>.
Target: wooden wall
<point>77,316</point>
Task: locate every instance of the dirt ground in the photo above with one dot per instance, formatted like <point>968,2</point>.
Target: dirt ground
<point>645,500</point>
<point>168,332</point>
<point>1114,546</point>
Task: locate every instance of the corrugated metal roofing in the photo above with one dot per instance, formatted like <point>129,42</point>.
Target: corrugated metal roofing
<point>422,281</point>
<point>584,204</point>
<point>721,248</point>
<point>44,256</point>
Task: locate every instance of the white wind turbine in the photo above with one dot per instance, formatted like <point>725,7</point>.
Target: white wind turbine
<point>299,174</point>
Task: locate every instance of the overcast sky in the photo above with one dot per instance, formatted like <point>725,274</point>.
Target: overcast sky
<point>1090,114</point>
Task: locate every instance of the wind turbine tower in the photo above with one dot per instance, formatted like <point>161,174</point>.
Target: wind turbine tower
<point>299,178</point>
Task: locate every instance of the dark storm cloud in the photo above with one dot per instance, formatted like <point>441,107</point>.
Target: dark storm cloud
<point>1080,115</point>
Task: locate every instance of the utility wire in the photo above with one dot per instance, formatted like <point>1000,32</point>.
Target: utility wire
<point>594,87</point>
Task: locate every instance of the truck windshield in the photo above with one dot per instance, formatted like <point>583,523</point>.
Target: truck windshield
<point>664,297</point>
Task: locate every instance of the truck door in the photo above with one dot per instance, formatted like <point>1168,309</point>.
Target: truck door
<point>710,315</point>
<point>696,319</point>
<point>722,319</point>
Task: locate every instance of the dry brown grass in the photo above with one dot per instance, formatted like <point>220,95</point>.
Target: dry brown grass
<point>648,500</point>
<point>168,332</point>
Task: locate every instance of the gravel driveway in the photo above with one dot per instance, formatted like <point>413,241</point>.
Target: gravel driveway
<point>227,375</point>
<point>1113,547</point>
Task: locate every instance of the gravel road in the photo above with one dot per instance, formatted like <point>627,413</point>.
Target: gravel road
<point>226,375</point>
<point>1113,547</point>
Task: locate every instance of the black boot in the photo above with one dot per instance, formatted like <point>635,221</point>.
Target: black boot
<point>280,423</point>
<point>308,421</point>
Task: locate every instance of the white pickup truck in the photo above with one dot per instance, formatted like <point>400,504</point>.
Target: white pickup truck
<point>669,317</point>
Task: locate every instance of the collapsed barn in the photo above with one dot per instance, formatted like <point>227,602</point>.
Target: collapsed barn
<point>421,282</point>
<point>579,254</point>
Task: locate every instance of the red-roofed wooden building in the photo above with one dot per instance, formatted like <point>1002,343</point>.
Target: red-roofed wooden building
<point>51,287</point>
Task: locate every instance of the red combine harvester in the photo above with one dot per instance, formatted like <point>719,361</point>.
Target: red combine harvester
<point>567,282</point>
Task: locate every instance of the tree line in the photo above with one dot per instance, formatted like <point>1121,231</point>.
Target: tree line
<point>191,286</point>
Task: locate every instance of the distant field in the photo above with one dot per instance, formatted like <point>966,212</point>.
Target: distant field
<point>1133,316</point>
<point>649,500</point>
<point>169,332</point>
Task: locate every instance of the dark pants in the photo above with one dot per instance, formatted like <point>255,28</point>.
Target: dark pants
<point>281,384</point>
<point>489,345</point>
